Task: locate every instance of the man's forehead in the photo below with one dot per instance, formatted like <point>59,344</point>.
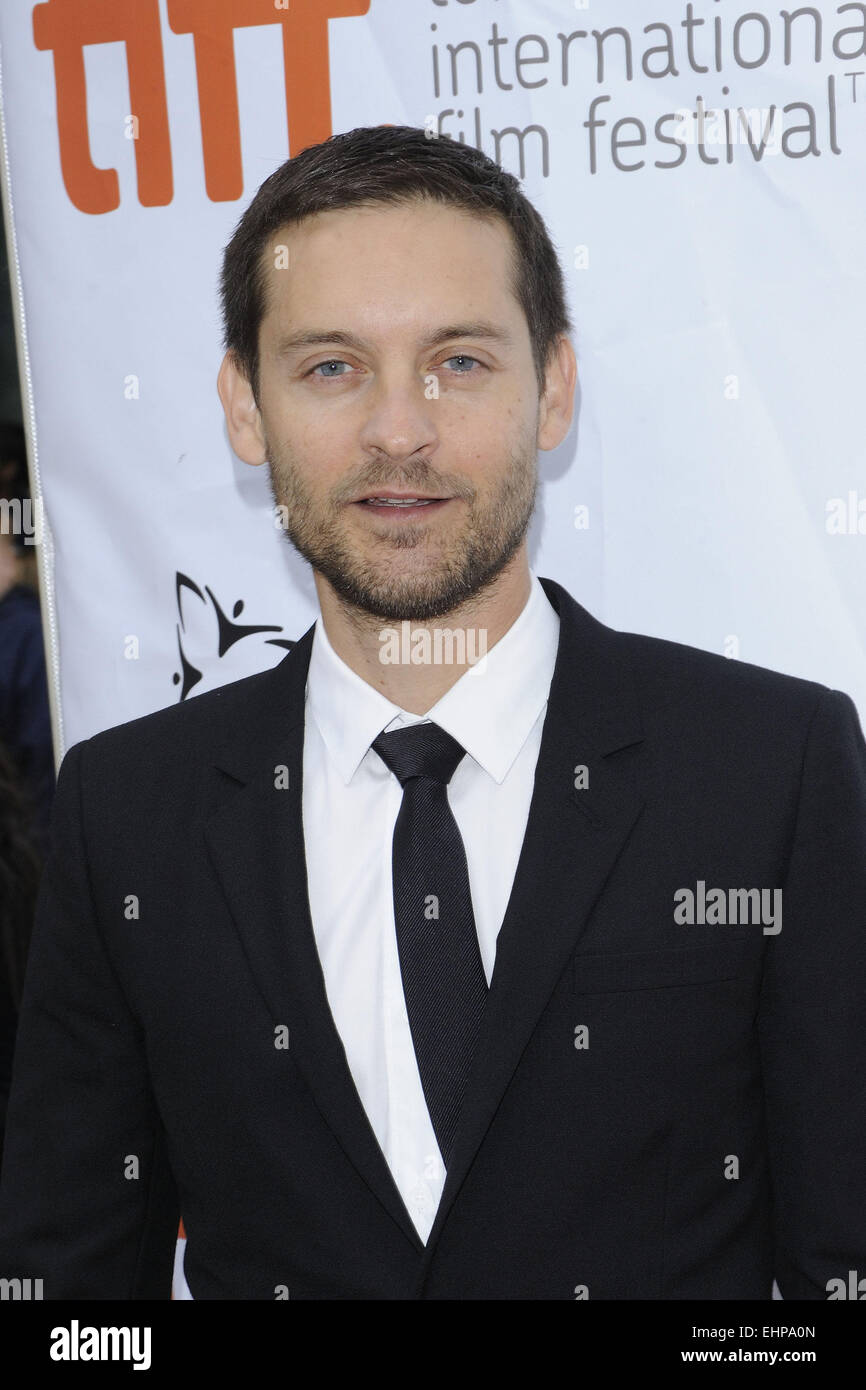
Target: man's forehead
<point>347,244</point>
<point>314,307</point>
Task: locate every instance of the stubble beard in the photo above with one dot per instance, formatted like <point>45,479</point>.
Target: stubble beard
<point>464,567</point>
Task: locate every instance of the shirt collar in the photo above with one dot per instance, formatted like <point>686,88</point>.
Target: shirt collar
<point>490,710</point>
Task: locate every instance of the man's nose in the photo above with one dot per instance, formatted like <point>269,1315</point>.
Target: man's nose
<point>401,414</point>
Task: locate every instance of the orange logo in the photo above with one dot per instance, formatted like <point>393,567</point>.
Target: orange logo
<point>65,27</point>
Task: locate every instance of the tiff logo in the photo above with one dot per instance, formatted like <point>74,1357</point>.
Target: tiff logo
<point>66,27</point>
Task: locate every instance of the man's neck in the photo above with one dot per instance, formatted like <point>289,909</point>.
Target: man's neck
<point>381,651</point>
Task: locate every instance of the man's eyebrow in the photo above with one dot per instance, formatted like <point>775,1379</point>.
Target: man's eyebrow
<point>479,329</point>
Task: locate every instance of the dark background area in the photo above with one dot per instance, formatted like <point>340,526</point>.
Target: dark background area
<point>26,755</point>
<point>10,393</point>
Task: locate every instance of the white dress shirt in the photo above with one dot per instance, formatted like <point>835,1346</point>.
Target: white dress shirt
<point>350,803</point>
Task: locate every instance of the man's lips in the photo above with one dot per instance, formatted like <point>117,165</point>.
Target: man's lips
<point>400,495</point>
<point>396,507</point>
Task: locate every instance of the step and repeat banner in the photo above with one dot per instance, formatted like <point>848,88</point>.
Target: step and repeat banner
<point>702,169</point>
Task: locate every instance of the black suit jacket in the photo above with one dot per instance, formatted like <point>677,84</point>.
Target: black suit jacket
<point>657,1110</point>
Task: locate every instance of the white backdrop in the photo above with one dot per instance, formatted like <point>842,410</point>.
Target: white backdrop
<point>713,488</point>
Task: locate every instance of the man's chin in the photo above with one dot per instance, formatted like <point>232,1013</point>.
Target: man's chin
<point>395,603</point>
<point>394,598</point>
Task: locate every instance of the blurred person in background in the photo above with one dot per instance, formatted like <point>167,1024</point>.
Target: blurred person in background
<point>25,721</point>
<point>27,775</point>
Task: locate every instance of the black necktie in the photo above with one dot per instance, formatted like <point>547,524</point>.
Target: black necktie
<point>444,984</point>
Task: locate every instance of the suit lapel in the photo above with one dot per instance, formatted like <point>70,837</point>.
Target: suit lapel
<point>256,844</point>
<point>573,837</point>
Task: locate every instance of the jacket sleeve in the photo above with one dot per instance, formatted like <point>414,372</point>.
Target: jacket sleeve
<point>87,1201</point>
<point>812,1019</point>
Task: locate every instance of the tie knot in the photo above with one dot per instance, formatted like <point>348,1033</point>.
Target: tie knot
<point>419,750</point>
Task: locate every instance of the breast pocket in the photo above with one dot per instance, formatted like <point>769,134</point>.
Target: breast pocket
<point>603,973</point>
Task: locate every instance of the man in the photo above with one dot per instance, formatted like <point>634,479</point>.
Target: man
<point>537,976</point>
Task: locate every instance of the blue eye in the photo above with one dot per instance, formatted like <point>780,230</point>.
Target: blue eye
<point>463,357</point>
<point>331,362</point>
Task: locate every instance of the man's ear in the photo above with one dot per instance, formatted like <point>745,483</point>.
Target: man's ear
<point>556,407</point>
<point>243,420</point>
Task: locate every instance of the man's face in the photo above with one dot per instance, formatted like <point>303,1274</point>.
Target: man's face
<point>385,408</point>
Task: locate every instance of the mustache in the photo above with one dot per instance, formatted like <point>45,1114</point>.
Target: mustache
<point>431,484</point>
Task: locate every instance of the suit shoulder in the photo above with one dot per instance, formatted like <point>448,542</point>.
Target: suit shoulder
<point>672,672</point>
<point>176,730</point>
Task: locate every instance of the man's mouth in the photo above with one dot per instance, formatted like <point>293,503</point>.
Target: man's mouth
<point>401,501</point>
<point>404,506</point>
